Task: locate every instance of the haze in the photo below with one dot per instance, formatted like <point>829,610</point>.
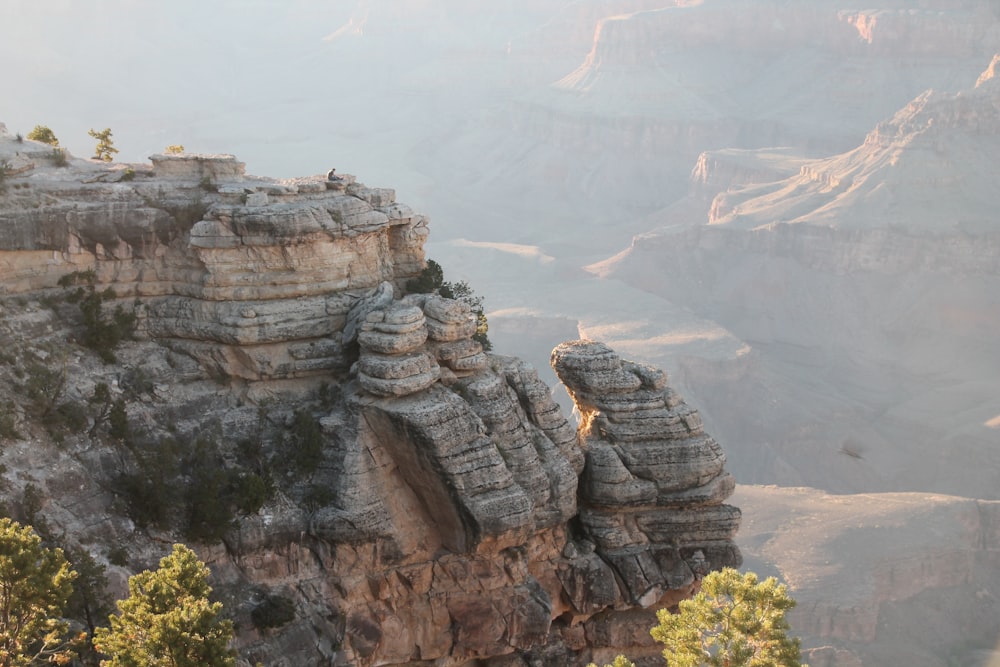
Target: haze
<point>850,349</point>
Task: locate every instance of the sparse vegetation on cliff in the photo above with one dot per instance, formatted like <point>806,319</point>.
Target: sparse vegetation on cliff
<point>431,279</point>
<point>105,149</point>
<point>100,332</point>
<point>44,134</point>
<point>167,620</point>
<point>59,158</point>
<point>35,584</point>
<point>735,620</point>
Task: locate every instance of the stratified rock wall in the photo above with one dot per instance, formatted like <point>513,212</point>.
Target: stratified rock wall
<point>449,513</point>
<point>253,276</point>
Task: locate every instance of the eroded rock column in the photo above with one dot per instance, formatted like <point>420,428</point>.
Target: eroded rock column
<point>652,490</point>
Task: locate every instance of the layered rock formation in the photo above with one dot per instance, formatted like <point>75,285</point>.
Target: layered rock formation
<point>217,257</point>
<point>652,491</point>
<point>441,517</point>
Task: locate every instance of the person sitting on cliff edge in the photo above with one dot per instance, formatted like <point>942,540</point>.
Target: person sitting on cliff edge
<point>331,176</point>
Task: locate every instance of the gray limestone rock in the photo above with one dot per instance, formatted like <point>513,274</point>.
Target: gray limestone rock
<point>448,319</point>
<point>379,298</point>
<point>395,387</point>
<point>653,480</point>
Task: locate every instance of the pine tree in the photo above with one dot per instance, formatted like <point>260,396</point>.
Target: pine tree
<point>105,148</point>
<point>734,621</point>
<point>45,135</point>
<point>167,619</point>
<point>35,583</point>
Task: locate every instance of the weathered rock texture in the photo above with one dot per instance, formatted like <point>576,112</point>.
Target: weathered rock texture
<point>652,490</point>
<point>452,515</point>
<point>252,275</point>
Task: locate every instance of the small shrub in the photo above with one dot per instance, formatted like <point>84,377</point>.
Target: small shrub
<point>19,138</point>
<point>306,449</point>
<point>128,174</point>
<point>89,601</point>
<point>32,501</point>
<point>8,423</point>
<point>149,484</point>
<point>328,395</point>
<point>206,184</point>
<point>274,612</point>
<point>317,496</point>
<point>87,277</point>
<point>118,421</point>
<point>59,158</point>
<point>118,556</point>
<point>100,333</point>
<point>429,280</point>
<point>68,416</point>
<point>252,491</point>
<point>174,149</point>
<point>105,149</point>
<point>44,134</point>
<point>209,509</point>
<point>43,387</point>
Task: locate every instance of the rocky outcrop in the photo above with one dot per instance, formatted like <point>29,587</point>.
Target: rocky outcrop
<point>253,276</point>
<point>445,509</point>
<point>476,557</point>
<point>652,490</point>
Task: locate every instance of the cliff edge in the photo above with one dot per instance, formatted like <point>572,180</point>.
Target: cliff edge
<point>415,500</point>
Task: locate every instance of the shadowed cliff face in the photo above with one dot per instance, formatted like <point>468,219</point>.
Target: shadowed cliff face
<point>429,502</point>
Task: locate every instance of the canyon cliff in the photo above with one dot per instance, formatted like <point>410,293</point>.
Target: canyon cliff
<point>428,503</point>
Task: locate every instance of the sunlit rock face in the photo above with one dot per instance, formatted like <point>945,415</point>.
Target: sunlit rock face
<point>652,490</point>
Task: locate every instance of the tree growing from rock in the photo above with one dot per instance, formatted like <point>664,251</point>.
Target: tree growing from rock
<point>45,135</point>
<point>35,583</point>
<point>105,149</point>
<point>167,619</point>
<point>734,621</point>
<point>431,279</point>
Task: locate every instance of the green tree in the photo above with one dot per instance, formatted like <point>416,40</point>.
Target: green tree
<point>43,134</point>
<point>734,621</point>
<point>167,619</point>
<point>105,148</point>
<point>35,583</point>
<point>429,280</point>
<point>174,149</point>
